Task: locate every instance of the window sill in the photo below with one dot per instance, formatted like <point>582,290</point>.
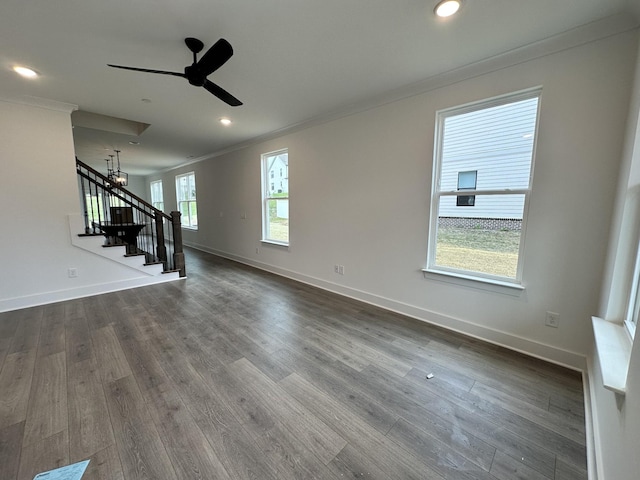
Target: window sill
<point>274,243</point>
<point>474,282</point>
<point>613,347</point>
<point>186,227</point>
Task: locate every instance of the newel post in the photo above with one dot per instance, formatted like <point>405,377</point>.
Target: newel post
<point>178,255</point>
<point>161,248</point>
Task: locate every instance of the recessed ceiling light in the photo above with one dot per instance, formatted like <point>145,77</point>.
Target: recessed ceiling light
<point>446,8</point>
<point>25,72</point>
<point>134,143</point>
<point>225,121</point>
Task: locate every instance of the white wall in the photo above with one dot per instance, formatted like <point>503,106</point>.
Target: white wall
<point>138,186</point>
<point>359,190</point>
<point>38,189</point>
<point>617,418</point>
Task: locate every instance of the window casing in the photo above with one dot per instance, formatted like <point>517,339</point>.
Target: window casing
<point>275,201</point>
<point>633,306</point>
<point>487,150</point>
<point>157,197</point>
<point>186,198</point>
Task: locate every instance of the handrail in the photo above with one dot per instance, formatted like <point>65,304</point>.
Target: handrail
<point>115,185</point>
<point>105,204</point>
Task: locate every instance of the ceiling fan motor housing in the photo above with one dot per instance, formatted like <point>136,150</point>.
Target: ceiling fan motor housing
<point>194,75</point>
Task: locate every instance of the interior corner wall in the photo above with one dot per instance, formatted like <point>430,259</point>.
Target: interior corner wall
<point>38,190</point>
<point>360,197</point>
<point>616,418</point>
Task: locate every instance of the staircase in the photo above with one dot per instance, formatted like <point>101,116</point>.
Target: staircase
<point>121,226</point>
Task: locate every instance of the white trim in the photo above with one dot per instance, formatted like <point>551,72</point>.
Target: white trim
<point>273,243</point>
<point>613,349</point>
<point>573,38</point>
<point>179,201</point>
<point>484,283</point>
<point>549,353</point>
<point>153,183</point>
<point>591,424</point>
<point>264,192</point>
<point>40,102</point>
<point>86,291</point>
<point>437,193</point>
<point>631,329</point>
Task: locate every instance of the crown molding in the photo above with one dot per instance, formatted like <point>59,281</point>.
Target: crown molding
<point>40,102</point>
<point>584,34</point>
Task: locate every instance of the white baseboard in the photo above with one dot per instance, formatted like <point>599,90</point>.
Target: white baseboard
<point>85,291</point>
<point>549,353</point>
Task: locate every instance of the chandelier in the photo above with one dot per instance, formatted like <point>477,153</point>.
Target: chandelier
<point>117,176</point>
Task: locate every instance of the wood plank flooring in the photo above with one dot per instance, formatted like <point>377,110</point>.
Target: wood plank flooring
<point>238,374</point>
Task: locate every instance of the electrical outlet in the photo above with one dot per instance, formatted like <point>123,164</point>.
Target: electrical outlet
<point>336,268</point>
<point>72,272</point>
<point>552,319</point>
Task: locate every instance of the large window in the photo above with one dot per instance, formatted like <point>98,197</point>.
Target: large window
<point>486,151</point>
<point>186,196</point>
<point>157,198</point>
<point>275,197</point>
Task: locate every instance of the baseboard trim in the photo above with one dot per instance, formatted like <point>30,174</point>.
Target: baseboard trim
<point>549,353</point>
<point>86,291</point>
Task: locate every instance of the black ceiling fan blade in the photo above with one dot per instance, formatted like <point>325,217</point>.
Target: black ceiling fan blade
<point>222,94</point>
<point>135,69</point>
<point>216,56</point>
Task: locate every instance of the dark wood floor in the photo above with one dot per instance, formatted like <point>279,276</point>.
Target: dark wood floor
<point>239,374</point>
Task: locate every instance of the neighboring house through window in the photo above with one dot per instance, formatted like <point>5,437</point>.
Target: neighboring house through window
<point>486,150</point>
<point>186,197</point>
<point>275,202</point>
<point>157,198</point>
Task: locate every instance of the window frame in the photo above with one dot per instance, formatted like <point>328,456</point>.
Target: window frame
<point>437,193</point>
<point>268,191</point>
<point>633,301</point>
<point>189,225</point>
<point>154,201</point>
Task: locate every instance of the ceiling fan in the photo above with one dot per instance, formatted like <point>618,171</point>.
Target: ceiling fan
<point>199,70</point>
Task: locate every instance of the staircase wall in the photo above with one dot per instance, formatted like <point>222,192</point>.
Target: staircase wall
<point>38,190</point>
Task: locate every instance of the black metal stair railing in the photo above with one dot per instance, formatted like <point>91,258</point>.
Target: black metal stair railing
<point>126,219</point>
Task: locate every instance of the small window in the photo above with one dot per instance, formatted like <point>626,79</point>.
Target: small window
<point>275,205</point>
<point>495,137</point>
<point>157,198</point>
<point>186,197</point>
<point>466,181</point>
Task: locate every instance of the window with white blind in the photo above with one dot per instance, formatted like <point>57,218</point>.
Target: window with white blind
<point>486,150</point>
<point>186,197</point>
<point>157,198</point>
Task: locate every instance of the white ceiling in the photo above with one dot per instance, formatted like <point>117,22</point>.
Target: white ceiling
<point>294,60</point>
